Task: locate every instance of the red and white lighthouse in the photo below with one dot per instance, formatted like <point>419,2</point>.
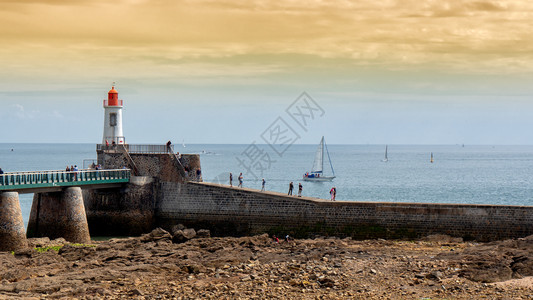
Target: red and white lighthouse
<point>113,119</point>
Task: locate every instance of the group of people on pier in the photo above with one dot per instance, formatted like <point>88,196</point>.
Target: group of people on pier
<point>332,191</point>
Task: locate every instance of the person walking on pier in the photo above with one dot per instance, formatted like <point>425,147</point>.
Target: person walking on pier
<point>262,185</point>
<point>168,146</point>
<point>300,188</point>
<point>333,193</point>
<point>291,186</point>
<point>230,179</point>
<point>240,180</point>
<point>75,172</point>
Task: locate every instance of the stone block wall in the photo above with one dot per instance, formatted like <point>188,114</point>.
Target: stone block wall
<point>236,211</point>
<point>130,210</point>
<point>158,165</point>
<point>122,211</point>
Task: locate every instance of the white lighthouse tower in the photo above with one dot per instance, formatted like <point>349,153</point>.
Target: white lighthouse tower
<point>113,119</point>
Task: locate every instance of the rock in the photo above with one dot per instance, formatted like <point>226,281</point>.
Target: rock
<point>58,242</point>
<point>190,233</point>
<point>174,229</point>
<point>179,237</point>
<point>38,242</point>
<point>194,269</point>
<point>203,233</point>
<point>182,236</point>
<point>156,235</point>
<point>434,275</point>
<point>326,282</point>
<point>26,252</point>
<point>136,292</point>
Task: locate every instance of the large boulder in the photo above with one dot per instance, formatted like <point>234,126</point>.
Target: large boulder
<point>174,229</point>
<point>181,236</point>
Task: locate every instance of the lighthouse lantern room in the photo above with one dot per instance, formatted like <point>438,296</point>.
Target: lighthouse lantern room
<point>113,119</point>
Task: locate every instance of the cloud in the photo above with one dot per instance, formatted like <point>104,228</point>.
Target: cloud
<point>209,38</point>
<point>18,107</point>
<point>21,113</point>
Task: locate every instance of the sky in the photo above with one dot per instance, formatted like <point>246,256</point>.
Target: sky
<point>380,72</point>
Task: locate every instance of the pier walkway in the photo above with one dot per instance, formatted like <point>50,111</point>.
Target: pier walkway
<point>48,181</point>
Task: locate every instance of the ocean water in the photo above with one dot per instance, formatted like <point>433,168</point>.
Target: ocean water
<point>470,174</point>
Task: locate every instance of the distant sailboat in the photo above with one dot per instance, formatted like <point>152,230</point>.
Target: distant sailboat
<point>318,165</point>
<point>386,159</point>
<point>431,160</point>
<point>183,143</point>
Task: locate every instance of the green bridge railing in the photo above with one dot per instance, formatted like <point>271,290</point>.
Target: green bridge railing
<point>41,179</point>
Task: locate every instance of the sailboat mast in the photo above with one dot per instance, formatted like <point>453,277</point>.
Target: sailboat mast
<point>329,158</point>
<point>322,160</point>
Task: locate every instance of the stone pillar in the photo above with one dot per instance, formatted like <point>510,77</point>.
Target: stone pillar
<point>59,214</point>
<point>12,235</point>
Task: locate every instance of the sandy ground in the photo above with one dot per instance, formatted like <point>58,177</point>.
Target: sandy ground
<point>153,267</point>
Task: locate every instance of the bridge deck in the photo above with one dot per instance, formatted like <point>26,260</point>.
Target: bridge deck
<point>22,181</point>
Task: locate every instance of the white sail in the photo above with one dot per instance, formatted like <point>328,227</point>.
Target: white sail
<point>386,159</point>
<point>316,173</point>
<point>318,165</point>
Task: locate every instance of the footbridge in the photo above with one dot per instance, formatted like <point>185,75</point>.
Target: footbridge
<point>50,181</point>
<point>58,208</point>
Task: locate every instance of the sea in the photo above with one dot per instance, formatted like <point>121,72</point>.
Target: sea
<point>467,174</point>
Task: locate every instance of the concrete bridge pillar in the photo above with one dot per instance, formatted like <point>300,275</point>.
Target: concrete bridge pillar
<point>12,235</point>
<point>59,214</point>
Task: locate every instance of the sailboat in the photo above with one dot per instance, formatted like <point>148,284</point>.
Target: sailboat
<point>183,143</point>
<point>431,160</point>
<point>318,165</point>
<point>386,159</point>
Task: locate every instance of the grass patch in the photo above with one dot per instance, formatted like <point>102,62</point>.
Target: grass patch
<point>45,249</point>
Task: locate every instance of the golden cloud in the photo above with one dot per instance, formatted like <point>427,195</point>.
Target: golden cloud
<point>460,35</point>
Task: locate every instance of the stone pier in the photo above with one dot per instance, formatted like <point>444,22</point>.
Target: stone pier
<point>59,214</point>
<point>12,235</point>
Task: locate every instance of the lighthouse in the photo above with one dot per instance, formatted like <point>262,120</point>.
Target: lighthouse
<point>113,119</point>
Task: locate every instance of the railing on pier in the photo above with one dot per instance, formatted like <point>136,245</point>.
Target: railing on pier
<point>133,148</point>
<point>23,180</point>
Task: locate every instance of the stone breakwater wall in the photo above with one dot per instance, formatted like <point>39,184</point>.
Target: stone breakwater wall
<point>130,210</point>
<point>236,211</point>
<point>122,211</point>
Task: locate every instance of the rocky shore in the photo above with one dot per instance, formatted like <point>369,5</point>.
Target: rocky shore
<point>184,265</point>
